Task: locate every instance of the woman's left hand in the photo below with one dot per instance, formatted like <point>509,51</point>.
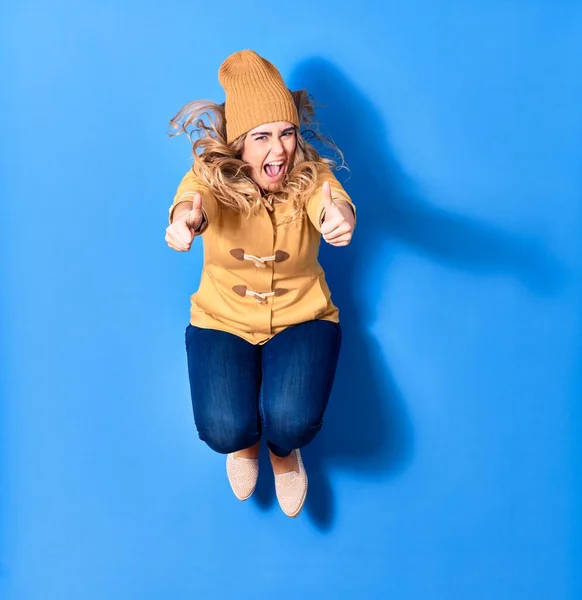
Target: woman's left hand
<point>339,221</point>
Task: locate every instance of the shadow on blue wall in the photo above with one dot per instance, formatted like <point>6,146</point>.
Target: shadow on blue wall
<point>367,429</point>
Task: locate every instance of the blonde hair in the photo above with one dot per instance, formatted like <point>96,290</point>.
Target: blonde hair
<point>218,165</point>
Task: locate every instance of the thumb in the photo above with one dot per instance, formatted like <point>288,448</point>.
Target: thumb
<point>327,199</point>
<point>328,204</point>
<point>194,216</point>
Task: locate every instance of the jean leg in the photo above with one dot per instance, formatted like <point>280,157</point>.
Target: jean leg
<point>298,367</point>
<point>225,377</point>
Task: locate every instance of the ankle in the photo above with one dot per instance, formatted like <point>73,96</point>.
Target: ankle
<point>285,464</point>
<point>251,452</point>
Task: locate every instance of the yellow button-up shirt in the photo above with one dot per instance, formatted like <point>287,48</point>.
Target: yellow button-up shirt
<point>261,273</point>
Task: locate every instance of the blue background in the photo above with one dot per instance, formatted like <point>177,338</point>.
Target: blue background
<point>449,465</point>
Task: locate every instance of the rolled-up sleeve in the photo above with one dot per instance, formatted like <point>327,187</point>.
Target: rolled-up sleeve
<point>314,205</point>
<point>186,191</point>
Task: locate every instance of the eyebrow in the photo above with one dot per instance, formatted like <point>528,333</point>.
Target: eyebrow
<point>269,133</point>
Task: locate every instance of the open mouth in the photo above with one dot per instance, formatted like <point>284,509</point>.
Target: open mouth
<point>275,169</point>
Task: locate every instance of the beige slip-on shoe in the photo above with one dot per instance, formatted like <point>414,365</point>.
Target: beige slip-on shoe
<point>242,474</point>
<point>291,489</point>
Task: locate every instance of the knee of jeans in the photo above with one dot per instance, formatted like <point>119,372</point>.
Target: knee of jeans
<point>226,437</point>
<point>293,434</point>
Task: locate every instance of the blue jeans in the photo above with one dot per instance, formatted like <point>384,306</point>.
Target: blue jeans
<point>242,392</point>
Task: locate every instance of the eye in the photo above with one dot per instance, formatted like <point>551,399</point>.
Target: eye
<point>261,137</point>
<point>287,133</point>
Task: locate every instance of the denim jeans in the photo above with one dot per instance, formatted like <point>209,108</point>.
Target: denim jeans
<point>277,391</point>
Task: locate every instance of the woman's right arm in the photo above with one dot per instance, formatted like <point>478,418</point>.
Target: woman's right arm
<point>188,215</point>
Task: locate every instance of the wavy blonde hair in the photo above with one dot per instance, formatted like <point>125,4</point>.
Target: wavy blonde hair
<point>219,165</point>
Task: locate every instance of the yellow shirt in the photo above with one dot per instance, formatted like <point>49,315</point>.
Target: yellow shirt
<point>261,274</point>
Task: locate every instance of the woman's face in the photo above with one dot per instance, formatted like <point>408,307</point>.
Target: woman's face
<point>270,150</point>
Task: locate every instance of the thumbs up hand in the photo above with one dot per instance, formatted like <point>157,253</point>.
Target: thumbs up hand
<point>338,225</point>
<point>180,233</point>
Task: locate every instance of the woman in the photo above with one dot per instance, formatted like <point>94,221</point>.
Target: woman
<point>264,336</point>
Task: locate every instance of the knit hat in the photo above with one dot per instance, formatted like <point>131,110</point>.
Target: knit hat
<point>255,94</point>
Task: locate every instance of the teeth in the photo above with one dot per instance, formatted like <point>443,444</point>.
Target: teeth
<point>276,163</point>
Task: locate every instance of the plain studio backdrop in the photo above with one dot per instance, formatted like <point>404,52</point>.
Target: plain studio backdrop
<point>449,464</point>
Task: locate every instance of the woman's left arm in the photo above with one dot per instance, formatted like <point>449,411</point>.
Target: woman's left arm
<point>331,211</point>
<point>338,218</point>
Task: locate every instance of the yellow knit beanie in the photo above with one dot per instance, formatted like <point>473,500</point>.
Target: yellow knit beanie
<point>255,94</point>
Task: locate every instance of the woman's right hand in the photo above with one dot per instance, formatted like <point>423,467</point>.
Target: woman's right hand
<point>180,233</point>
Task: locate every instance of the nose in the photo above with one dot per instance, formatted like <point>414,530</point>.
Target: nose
<point>277,147</point>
